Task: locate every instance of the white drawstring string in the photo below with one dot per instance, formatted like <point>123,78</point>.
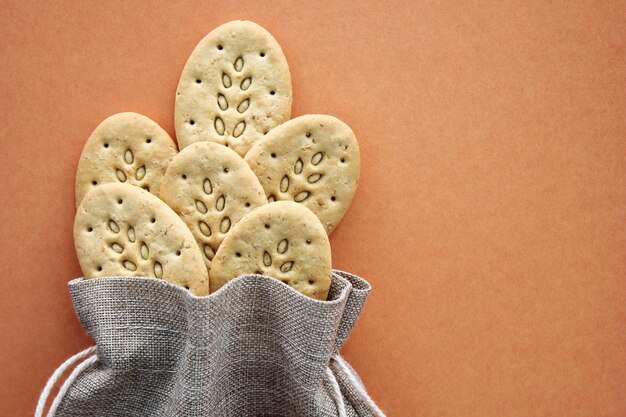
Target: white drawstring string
<point>43,398</point>
<point>338,398</point>
<point>360,389</point>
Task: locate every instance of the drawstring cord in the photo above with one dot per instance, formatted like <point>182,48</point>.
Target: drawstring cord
<point>43,398</point>
<point>92,358</point>
<point>360,389</point>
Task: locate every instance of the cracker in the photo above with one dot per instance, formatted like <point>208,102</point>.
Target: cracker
<point>125,148</point>
<point>122,230</point>
<point>283,240</point>
<point>313,160</point>
<point>235,87</point>
<point>211,188</point>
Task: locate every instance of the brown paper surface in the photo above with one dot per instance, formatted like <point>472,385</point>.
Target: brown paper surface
<point>492,204</point>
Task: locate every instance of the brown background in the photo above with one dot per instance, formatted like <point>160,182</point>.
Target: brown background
<point>491,213</point>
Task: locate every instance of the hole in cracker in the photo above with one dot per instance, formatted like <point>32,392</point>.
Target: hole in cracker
<point>265,133</point>
<point>258,271</point>
<point>273,155</point>
<point>192,122</point>
<point>106,145</point>
<point>220,47</point>
<point>90,229</point>
<point>262,54</point>
<point>152,220</point>
<point>247,204</point>
<point>94,182</point>
<point>186,287</point>
<point>238,255</point>
<point>311,282</point>
<point>198,81</point>
<point>227,145</point>
<point>99,268</point>
<point>147,188</point>
<point>272,92</point>
<point>225,169</point>
<point>148,140</point>
<point>343,159</point>
<point>333,198</point>
<point>184,176</point>
<point>120,201</point>
<point>267,226</point>
<point>308,134</point>
<point>308,241</point>
<point>177,253</point>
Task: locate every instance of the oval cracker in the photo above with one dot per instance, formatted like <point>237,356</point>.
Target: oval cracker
<point>211,188</point>
<point>125,148</point>
<point>284,240</point>
<point>234,88</point>
<point>122,230</point>
<point>313,160</point>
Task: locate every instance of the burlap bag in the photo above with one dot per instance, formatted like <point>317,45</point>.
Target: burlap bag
<point>254,348</point>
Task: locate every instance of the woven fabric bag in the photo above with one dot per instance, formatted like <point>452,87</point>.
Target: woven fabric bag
<point>254,348</point>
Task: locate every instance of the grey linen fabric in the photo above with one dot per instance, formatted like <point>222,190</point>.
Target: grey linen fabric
<point>254,348</point>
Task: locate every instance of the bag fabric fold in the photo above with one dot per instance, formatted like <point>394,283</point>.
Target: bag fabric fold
<point>256,347</point>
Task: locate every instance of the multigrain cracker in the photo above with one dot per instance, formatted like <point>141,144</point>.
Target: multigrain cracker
<point>211,188</point>
<point>283,240</point>
<point>125,148</point>
<point>234,88</point>
<point>122,230</point>
<point>313,160</point>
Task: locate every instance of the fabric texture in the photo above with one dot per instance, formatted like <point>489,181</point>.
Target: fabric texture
<point>256,347</point>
